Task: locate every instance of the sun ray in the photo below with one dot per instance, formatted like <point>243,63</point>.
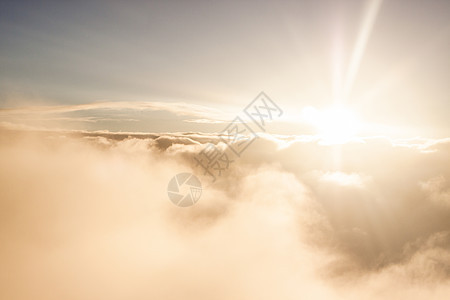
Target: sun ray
<point>369,18</point>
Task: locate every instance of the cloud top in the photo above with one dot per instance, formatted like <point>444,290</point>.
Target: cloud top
<point>86,215</point>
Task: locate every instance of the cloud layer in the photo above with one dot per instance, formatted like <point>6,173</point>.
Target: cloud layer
<point>86,216</point>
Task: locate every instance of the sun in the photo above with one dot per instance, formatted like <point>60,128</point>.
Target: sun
<point>335,125</point>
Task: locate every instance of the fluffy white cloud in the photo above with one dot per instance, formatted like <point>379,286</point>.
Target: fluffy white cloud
<point>86,215</point>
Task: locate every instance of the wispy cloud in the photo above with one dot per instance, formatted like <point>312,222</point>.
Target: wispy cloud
<point>205,121</point>
<point>103,114</point>
<point>178,108</point>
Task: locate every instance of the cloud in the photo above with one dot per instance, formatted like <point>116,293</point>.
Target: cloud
<point>134,115</point>
<point>179,108</point>
<point>86,215</point>
<point>205,121</point>
<point>343,179</point>
<point>437,189</point>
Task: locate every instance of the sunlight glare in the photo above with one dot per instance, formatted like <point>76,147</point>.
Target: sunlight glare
<point>335,125</point>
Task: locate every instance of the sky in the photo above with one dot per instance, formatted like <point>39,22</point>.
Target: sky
<point>338,187</point>
<point>386,61</point>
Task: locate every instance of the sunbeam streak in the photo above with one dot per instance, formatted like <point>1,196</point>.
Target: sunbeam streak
<point>369,18</point>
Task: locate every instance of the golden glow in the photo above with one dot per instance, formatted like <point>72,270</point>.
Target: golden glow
<point>334,125</point>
